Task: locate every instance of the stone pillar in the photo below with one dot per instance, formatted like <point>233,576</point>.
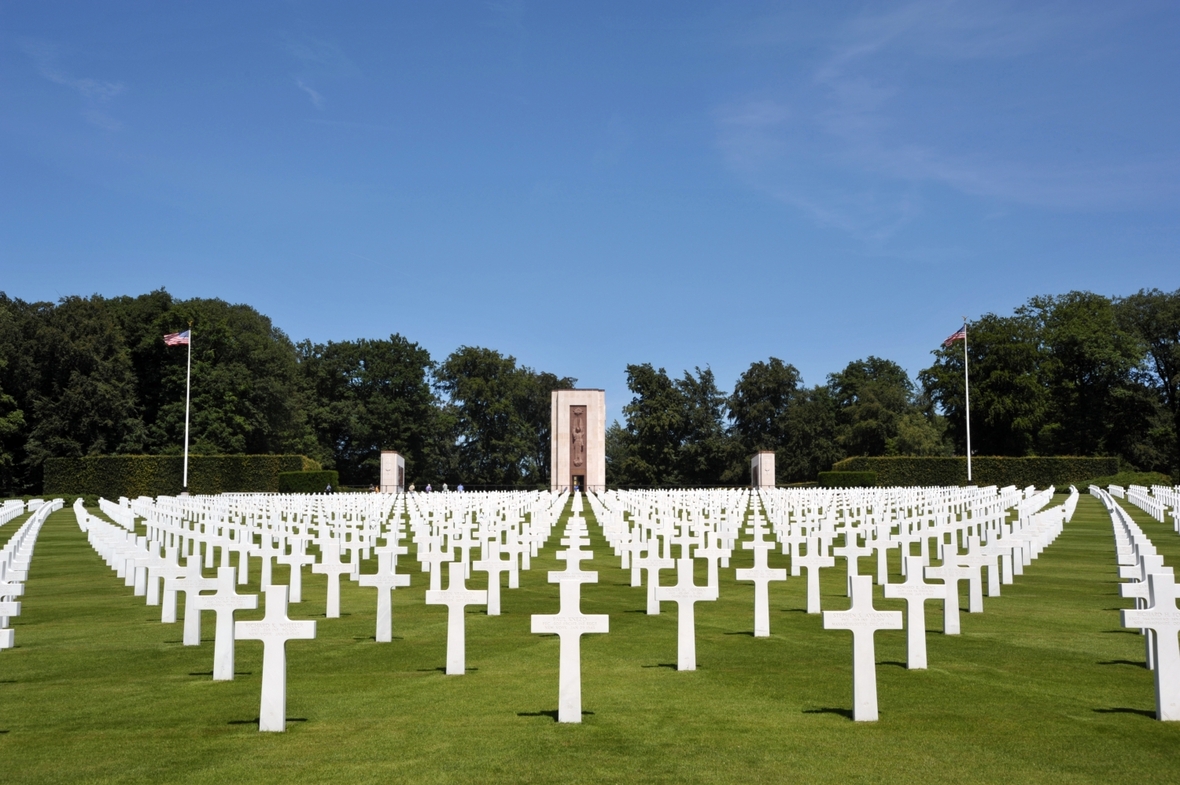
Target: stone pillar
<point>577,423</point>
<point>393,472</point>
<point>762,469</point>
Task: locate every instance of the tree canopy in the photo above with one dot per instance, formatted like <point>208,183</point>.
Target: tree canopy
<point>1072,374</point>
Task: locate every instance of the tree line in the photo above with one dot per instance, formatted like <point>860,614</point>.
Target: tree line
<point>1074,374</point>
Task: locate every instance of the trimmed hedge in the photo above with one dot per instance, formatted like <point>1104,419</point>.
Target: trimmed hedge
<point>985,470</point>
<point>847,479</point>
<point>113,476</point>
<point>308,482</point>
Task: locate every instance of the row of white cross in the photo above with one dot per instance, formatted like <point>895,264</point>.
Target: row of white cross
<point>885,518</point>
<point>1153,586</point>
<point>513,525</point>
<point>505,530</point>
<point>15,557</point>
<point>1158,501</point>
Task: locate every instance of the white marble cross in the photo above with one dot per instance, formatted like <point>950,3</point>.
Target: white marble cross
<point>295,561</point>
<point>686,594</point>
<point>1140,590</point>
<point>974,560</point>
<point>851,552</point>
<point>863,620</point>
<point>267,550</point>
<point>570,624</point>
<point>385,581</point>
<point>915,592</point>
<point>223,604</point>
<point>169,568</point>
<point>432,558</point>
<point>191,584</point>
<point>493,565</point>
<point>7,635</point>
<point>813,561</point>
<point>1163,618</point>
<point>456,597</point>
<point>950,574</point>
<point>712,553</point>
<point>653,563</point>
<point>761,574</point>
<point>331,566</point>
<point>274,630</point>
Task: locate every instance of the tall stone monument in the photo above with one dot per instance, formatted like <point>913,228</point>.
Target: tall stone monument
<point>393,472</point>
<point>762,469</point>
<point>577,455</point>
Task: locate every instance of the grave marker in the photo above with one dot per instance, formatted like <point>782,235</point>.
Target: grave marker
<point>863,620</point>
<point>274,630</point>
<point>456,597</point>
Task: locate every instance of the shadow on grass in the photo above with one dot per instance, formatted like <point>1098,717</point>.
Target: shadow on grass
<point>830,710</point>
<point>441,669</point>
<point>374,638</point>
<point>210,673</point>
<point>740,632</point>
<point>1124,710</point>
<point>1122,632</point>
<point>255,721</point>
<point>671,665</point>
<point>894,663</point>
<point>1124,662</point>
<point>552,714</point>
<point>794,610</point>
<point>641,610</point>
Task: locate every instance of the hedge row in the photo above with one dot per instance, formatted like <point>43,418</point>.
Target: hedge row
<point>985,470</point>
<point>113,476</point>
<point>847,479</point>
<point>308,482</point>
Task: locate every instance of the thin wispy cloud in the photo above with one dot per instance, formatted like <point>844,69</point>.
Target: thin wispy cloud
<point>319,61</point>
<point>324,57</point>
<point>865,133</point>
<point>94,92</point>
<point>317,100</point>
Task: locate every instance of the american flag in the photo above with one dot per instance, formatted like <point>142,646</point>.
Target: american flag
<point>961,335</point>
<point>177,339</point>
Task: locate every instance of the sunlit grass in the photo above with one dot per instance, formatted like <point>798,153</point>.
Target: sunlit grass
<point>1043,686</point>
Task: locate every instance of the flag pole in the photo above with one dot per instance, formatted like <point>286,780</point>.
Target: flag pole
<point>188,382</point>
<point>967,397</point>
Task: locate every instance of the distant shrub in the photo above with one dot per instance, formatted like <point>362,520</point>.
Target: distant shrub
<point>308,482</point>
<point>985,470</point>
<point>112,476</point>
<point>847,479</point>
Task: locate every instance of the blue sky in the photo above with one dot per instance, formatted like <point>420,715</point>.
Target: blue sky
<point>586,185</point>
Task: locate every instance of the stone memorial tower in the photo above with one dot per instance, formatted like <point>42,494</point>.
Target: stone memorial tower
<point>762,469</point>
<point>577,454</point>
<point>393,472</point>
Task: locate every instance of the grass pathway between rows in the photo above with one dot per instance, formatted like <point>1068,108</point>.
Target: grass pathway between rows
<point>1044,686</point>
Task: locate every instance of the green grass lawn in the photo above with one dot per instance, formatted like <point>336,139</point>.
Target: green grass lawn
<point>1043,686</point>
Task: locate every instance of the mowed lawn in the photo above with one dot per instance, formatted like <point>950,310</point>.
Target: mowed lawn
<point>1044,686</point>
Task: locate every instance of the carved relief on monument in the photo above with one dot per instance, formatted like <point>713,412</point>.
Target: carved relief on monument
<point>577,438</point>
